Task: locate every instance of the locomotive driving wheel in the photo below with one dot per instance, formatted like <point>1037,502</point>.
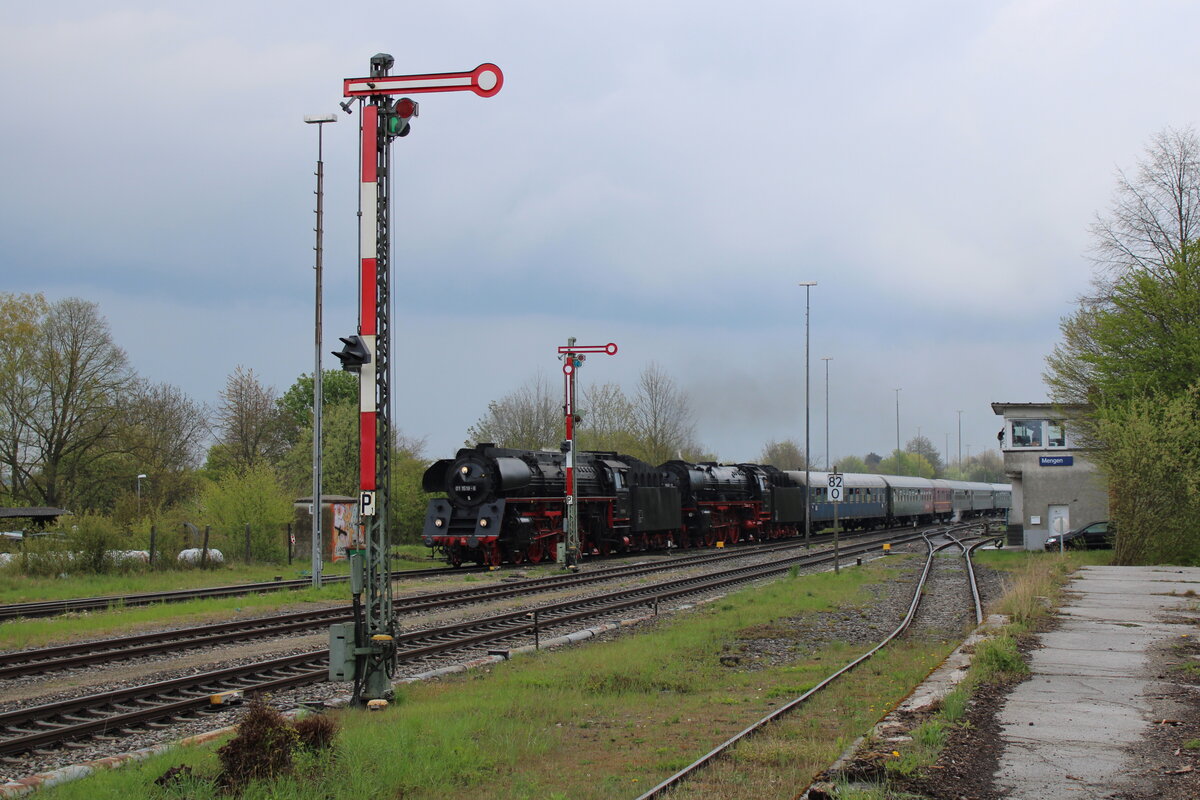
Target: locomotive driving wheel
<point>535,552</point>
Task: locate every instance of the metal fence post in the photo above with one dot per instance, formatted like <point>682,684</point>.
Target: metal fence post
<point>204,549</point>
<point>289,543</point>
<point>153,536</point>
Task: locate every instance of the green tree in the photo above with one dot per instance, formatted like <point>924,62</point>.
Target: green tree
<point>1143,339</point>
<point>783,455</point>
<point>902,463</point>
<point>851,464</point>
<point>1131,352</point>
<point>250,496</point>
<point>338,388</point>
<point>922,446</point>
<point>1151,461</point>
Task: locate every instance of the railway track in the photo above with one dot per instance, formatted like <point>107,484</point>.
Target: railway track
<point>36,661</point>
<point>157,704</point>
<point>41,660</point>
<point>50,608</point>
<point>953,539</point>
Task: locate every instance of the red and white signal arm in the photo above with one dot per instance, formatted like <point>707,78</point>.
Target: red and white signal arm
<point>485,81</point>
<point>835,487</point>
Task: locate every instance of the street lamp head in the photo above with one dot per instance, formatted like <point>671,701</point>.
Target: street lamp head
<point>807,283</point>
<point>318,118</point>
<point>143,475</point>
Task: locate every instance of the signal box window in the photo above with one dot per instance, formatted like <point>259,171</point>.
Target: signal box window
<point>1056,434</point>
<point>1027,433</point>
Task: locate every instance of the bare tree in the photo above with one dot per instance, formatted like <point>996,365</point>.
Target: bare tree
<point>786,454</point>
<point>1151,232</point>
<point>1156,211</point>
<point>164,433</point>
<point>248,421</point>
<point>529,418</point>
<point>607,418</point>
<point>77,381</point>
<point>662,417</point>
<point>21,318</point>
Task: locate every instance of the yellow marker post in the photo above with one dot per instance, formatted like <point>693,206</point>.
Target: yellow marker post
<point>887,548</point>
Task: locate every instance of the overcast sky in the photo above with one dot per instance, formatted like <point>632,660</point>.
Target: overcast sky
<point>659,175</point>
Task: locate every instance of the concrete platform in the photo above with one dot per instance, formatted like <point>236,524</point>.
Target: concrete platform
<point>1064,731</point>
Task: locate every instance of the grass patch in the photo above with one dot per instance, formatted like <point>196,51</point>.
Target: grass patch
<point>595,722</point>
<point>42,631</point>
<point>121,620</point>
<point>18,588</point>
<point>1036,581</point>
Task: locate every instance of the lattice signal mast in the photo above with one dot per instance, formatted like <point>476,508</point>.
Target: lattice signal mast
<point>371,661</point>
<point>573,356</point>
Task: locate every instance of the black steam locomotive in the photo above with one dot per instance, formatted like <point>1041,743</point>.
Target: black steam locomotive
<point>505,505</point>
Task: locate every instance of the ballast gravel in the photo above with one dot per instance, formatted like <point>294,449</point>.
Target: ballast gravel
<point>856,625</point>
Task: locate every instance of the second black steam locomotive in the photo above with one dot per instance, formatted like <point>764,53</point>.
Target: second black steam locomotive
<point>505,505</point>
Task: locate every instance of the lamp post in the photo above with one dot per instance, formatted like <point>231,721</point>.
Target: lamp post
<point>827,359</point>
<point>807,450</point>
<point>318,376</point>
<point>139,492</point>
<point>960,440</point>
<point>897,430</point>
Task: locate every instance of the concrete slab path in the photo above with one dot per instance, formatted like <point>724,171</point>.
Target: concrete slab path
<point>1065,730</point>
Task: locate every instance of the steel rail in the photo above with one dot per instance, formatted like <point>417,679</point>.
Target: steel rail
<point>24,662</point>
<point>60,721</point>
<point>46,608</point>
<point>700,763</point>
<point>49,608</point>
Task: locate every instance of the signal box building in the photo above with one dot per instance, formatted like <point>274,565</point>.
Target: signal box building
<point>1054,487</point>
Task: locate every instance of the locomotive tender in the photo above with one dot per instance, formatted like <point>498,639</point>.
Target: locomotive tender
<point>507,505</point>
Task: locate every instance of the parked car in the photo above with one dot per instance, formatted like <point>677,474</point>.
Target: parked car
<point>1095,536</point>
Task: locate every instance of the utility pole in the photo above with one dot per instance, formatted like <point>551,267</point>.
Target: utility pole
<point>897,430</point>
<point>827,359</point>
<point>371,660</point>
<point>960,464</point>
<point>318,376</point>
<point>573,357</point>
<point>807,450</point>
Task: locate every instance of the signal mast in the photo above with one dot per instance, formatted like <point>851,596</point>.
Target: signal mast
<point>365,650</point>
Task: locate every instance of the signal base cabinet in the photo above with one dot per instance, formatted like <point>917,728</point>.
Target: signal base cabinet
<point>341,651</point>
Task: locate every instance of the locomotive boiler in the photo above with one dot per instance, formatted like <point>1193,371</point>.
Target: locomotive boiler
<point>508,505</point>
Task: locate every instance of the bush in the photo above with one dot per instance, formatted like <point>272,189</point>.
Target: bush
<point>252,497</point>
<point>316,731</point>
<point>261,750</point>
<point>1152,464</point>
